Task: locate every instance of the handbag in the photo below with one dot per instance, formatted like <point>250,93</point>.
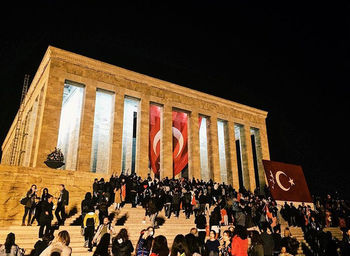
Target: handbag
<point>24,200</point>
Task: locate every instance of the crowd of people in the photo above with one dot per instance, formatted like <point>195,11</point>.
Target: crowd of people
<point>251,220</point>
<point>245,214</point>
<point>39,208</point>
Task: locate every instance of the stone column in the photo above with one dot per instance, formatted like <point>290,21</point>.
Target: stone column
<point>214,149</point>
<point>264,143</point>
<point>50,117</point>
<point>166,150</point>
<point>116,164</point>
<point>142,147</point>
<point>86,128</point>
<point>249,162</point>
<point>264,150</point>
<point>37,129</point>
<point>193,156</point>
<point>233,154</point>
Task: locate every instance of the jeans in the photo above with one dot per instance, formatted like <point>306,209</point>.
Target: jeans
<point>60,210</point>
<point>27,211</point>
<point>167,209</point>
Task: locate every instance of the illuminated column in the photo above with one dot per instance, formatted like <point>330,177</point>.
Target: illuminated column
<point>167,143</point>
<point>233,155</point>
<point>264,150</point>
<point>214,149</point>
<point>50,118</point>
<point>264,143</point>
<point>117,132</point>
<point>193,158</point>
<point>87,125</point>
<point>249,163</point>
<point>143,139</point>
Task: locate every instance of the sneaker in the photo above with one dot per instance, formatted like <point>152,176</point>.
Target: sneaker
<point>143,221</point>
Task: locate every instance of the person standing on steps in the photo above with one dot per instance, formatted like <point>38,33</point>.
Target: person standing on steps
<point>62,203</point>
<point>103,228</point>
<point>117,197</point>
<point>29,204</point>
<point>90,222</point>
<point>46,216</point>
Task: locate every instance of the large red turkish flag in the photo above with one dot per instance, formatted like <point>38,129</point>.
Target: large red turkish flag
<point>180,138</point>
<point>286,182</point>
<point>154,138</point>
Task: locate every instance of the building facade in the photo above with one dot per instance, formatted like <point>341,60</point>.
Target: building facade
<point>107,119</point>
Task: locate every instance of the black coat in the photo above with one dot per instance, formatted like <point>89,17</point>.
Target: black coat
<point>215,217</point>
<point>122,249</point>
<point>39,247</point>
<point>64,197</point>
<point>345,246</point>
<point>200,221</point>
<point>46,213</point>
<point>269,243</point>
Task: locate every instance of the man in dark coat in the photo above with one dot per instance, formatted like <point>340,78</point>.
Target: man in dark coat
<point>186,203</point>
<point>268,241</point>
<point>62,203</point>
<point>46,216</point>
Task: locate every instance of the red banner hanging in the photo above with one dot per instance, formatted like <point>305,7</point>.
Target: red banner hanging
<point>180,138</point>
<point>154,137</point>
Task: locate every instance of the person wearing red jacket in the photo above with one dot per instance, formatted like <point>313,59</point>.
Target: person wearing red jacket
<point>239,244</point>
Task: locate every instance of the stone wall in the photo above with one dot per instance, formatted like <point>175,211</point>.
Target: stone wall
<point>15,181</point>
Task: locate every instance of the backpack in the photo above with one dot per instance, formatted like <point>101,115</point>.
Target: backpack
<point>90,222</point>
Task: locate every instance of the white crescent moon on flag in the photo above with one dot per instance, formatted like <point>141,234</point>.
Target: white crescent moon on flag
<point>178,135</point>
<point>155,141</point>
<point>279,182</point>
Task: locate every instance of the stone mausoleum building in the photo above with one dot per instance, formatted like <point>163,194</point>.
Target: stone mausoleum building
<point>106,119</point>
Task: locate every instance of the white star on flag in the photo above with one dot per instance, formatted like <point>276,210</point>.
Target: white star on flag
<point>291,181</point>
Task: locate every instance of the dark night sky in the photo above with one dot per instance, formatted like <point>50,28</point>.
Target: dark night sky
<point>289,59</point>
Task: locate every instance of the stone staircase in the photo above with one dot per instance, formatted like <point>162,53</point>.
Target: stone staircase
<point>26,236</point>
<point>336,232</point>
<point>131,219</point>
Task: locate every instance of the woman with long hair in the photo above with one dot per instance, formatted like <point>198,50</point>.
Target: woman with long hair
<point>160,246</point>
<point>225,244</point>
<point>10,248</point>
<point>240,242</point>
<point>179,247</point>
<point>121,245</point>
<point>145,241</point>
<point>37,210</point>
<point>29,204</point>
<point>212,244</point>
<point>102,247</point>
<point>59,244</point>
